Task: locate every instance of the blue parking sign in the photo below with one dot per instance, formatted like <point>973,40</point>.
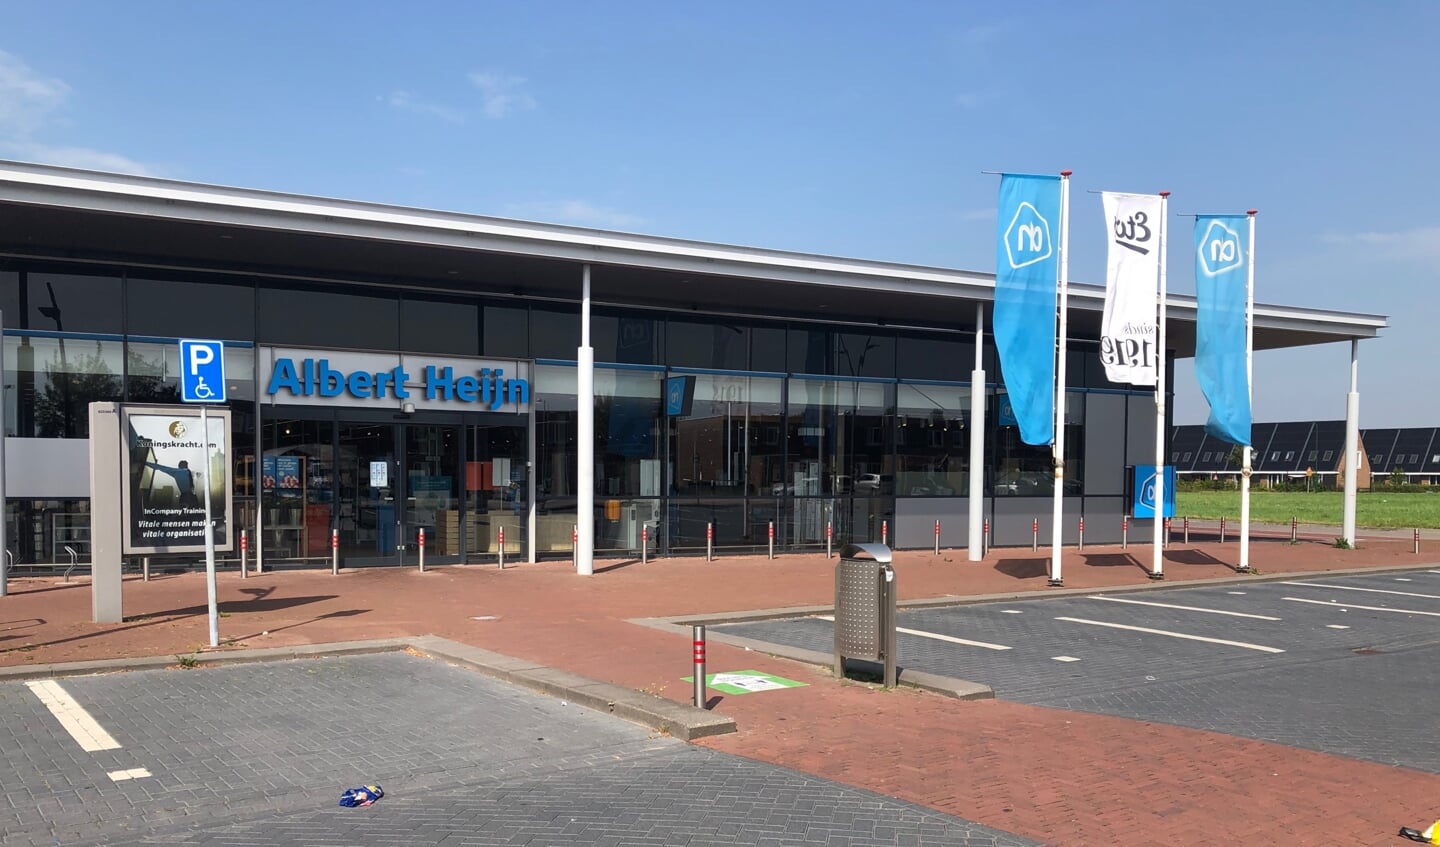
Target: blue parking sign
<point>202,371</point>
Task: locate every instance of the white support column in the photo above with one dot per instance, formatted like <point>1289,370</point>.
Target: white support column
<point>4,512</point>
<point>1247,453</point>
<point>977,442</point>
<point>585,438</point>
<point>532,519</point>
<point>1352,445</point>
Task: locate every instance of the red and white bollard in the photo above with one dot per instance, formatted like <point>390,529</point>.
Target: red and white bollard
<point>937,538</point>
<point>697,636</point>
<point>575,546</point>
<point>829,538</point>
<point>420,541</point>
<point>644,543</point>
<point>501,540</point>
<point>1222,530</point>
<point>985,538</point>
<point>1185,527</point>
<point>1294,530</point>
<point>772,539</point>
<point>1034,532</point>
<point>1417,541</point>
<point>244,553</point>
<point>1125,532</point>
<point>1082,533</point>
<point>1165,539</point>
<point>710,541</point>
<point>884,532</point>
<point>334,551</point>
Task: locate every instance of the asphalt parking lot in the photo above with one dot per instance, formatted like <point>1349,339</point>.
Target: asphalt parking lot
<point>1345,665</point>
<point>259,754</point>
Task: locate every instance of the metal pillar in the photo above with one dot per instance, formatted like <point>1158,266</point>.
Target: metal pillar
<point>584,437</point>
<point>1352,445</point>
<point>976,550</point>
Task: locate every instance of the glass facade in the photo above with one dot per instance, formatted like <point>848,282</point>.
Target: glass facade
<point>804,425</point>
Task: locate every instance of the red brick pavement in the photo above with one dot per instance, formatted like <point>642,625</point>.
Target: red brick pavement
<point>1057,776</point>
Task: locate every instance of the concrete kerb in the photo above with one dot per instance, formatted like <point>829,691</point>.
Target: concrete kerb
<point>676,719</point>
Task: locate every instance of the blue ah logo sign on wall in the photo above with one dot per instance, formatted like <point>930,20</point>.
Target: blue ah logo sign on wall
<point>1144,505</point>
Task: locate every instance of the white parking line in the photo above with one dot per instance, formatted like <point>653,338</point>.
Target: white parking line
<point>937,636</point>
<point>1185,608</point>
<point>1368,590</point>
<point>1333,604</point>
<point>1336,626</point>
<point>132,773</point>
<point>1260,647</point>
<point>86,731</point>
<point>1065,658</point>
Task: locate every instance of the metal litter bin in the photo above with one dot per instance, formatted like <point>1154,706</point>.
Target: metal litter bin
<point>865,608</point>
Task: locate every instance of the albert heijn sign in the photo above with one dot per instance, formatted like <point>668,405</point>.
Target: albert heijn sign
<point>306,377</point>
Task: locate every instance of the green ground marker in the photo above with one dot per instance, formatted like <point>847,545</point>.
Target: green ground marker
<point>746,682</point>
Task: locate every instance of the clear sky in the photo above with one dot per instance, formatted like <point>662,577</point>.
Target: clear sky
<point>847,128</point>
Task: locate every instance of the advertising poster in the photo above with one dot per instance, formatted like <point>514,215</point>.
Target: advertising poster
<point>166,474</point>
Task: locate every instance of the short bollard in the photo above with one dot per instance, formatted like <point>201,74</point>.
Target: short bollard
<point>334,552</point>
<point>644,543</point>
<point>698,637</point>
<point>829,538</point>
<point>1222,530</point>
<point>420,541</point>
<point>575,547</point>
<point>145,569</point>
<point>1034,533</point>
<point>1185,525</point>
<point>772,539</point>
<point>884,532</point>
<point>501,544</point>
<point>985,538</point>
<point>1166,537</point>
<point>1082,533</point>
<point>1125,532</point>
<point>1417,541</point>
<point>244,553</point>
<point>937,538</point>
<point>710,542</point>
<point>1294,529</point>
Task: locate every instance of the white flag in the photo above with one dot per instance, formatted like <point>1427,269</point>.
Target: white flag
<point>1128,338</point>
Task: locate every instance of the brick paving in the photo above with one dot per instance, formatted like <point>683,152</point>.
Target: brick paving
<point>1052,775</point>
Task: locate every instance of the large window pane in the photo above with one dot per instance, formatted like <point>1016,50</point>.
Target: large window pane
<point>439,326</point>
<point>186,308</point>
<point>73,303</point>
<point>935,357</point>
<point>932,445</point>
<point>808,350</point>
<point>554,333</point>
<point>1028,470</point>
<point>767,349</point>
<point>730,443</point>
<point>10,297</point>
<point>323,318</point>
<point>708,344</point>
<point>838,437</point>
<point>871,355</point>
<point>56,380</point>
<point>507,332</point>
<point>627,339</point>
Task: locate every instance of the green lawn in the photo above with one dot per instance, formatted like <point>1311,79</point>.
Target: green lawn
<point>1372,509</point>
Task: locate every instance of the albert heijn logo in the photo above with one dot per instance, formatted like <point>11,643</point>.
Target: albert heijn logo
<point>1134,233</point>
<point>1219,249</point>
<point>1027,238</point>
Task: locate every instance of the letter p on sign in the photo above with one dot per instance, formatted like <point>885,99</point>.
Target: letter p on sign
<point>202,371</point>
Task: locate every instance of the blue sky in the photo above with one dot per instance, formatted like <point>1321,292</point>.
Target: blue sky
<point>847,128</point>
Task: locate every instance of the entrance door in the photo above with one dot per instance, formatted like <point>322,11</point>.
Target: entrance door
<point>368,479</point>
<point>432,492</point>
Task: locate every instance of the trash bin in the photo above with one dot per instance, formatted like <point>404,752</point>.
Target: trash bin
<point>865,608</point>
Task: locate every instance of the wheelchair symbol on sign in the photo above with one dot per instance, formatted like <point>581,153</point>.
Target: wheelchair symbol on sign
<point>203,391</point>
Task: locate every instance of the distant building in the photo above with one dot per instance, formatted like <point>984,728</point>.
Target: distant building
<point>1315,450</point>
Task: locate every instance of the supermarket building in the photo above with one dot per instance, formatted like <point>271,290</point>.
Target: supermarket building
<point>405,369</point>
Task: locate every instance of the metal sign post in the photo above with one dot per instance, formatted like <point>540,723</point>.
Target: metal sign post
<point>202,380</point>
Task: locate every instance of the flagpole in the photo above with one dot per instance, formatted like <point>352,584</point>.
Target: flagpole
<point>1157,567</point>
<point>1058,453</point>
<point>1247,451</point>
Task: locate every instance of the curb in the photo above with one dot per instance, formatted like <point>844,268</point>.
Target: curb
<point>686,723</point>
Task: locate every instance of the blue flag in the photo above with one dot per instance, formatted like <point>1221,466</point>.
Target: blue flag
<point>1221,324</point>
<point>1027,271</point>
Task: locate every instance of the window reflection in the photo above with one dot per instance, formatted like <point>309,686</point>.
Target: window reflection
<point>932,445</point>
<point>56,380</point>
<point>1027,470</point>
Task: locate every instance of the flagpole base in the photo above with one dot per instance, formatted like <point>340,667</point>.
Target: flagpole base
<point>1154,575</point>
<point>1056,582</point>
<point>1242,569</point>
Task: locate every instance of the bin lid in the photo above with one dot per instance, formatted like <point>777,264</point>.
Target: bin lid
<point>866,552</point>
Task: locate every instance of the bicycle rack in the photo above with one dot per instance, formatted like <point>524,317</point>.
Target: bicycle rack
<point>74,561</point>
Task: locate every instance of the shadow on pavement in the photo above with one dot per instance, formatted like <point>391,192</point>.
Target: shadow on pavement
<point>1023,568</point>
